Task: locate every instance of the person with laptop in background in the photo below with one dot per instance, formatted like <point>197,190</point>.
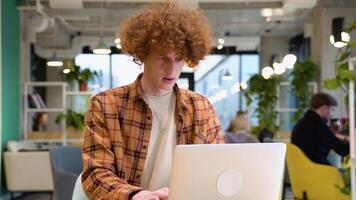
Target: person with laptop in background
<point>131,131</point>
<point>312,134</point>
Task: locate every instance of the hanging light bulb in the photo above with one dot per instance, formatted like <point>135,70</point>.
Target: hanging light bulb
<point>101,48</point>
<point>267,72</point>
<point>243,85</point>
<point>221,41</point>
<point>66,71</point>
<point>54,61</point>
<point>332,39</point>
<point>345,36</point>
<point>289,60</point>
<point>338,38</point>
<point>227,76</point>
<point>339,44</point>
<point>278,68</point>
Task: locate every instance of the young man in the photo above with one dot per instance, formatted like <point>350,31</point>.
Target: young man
<point>312,135</point>
<point>131,131</point>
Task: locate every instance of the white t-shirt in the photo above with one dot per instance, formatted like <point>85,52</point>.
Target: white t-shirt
<point>158,162</point>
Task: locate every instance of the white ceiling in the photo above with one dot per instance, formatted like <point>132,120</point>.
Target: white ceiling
<point>238,18</point>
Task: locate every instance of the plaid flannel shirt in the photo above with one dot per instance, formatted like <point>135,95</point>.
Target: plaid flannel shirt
<point>117,132</point>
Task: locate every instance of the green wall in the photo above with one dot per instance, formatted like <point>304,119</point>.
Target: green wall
<point>10,74</point>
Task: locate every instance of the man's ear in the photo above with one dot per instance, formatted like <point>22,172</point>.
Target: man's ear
<point>323,108</point>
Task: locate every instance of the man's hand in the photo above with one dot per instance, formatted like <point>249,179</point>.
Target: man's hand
<point>161,194</point>
<point>341,137</point>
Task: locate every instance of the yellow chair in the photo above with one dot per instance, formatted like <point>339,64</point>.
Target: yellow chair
<point>310,180</point>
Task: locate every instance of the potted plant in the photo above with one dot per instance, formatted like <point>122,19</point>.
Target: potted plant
<point>80,75</point>
<point>74,119</point>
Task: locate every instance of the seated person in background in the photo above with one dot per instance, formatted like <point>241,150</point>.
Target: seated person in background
<point>239,130</point>
<point>312,135</point>
<point>40,121</point>
<point>131,131</point>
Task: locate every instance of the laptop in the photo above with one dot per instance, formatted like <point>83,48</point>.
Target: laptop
<point>227,172</point>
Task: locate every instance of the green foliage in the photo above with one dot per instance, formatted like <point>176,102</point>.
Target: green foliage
<point>343,74</point>
<point>73,119</point>
<point>346,189</point>
<point>303,73</point>
<point>265,93</point>
<point>80,75</point>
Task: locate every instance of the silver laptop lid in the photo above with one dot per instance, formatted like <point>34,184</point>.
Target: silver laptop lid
<point>227,171</point>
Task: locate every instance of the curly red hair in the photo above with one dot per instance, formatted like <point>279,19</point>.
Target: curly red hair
<point>166,27</point>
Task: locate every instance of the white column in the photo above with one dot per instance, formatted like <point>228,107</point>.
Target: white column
<point>352,129</point>
<point>0,87</point>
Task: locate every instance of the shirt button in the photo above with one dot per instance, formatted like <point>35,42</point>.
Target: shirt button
<point>144,147</point>
<point>138,176</point>
<point>149,118</point>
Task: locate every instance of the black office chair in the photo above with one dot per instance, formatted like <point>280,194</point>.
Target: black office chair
<point>66,164</point>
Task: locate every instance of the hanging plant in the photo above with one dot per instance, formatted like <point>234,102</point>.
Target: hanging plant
<point>302,74</point>
<point>264,92</point>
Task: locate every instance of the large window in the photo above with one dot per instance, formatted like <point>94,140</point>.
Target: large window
<point>226,95</point>
<point>99,63</point>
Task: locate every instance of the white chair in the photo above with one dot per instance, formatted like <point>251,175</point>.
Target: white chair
<point>28,171</point>
<point>78,192</point>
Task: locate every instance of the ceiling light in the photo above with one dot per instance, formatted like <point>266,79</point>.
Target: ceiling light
<point>338,38</point>
<point>227,76</point>
<point>221,41</point>
<point>278,68</point>
<point>54,61</point>
<point>289,60</point>
<point>266,76</point>
<point>66,71</point>
<point>332,40</point>
<point>101,48</point>
<point>267,12</point>
<point>345,37</point>
<point>243,85</point>
<point>339,44</point>
<point>267,72</point>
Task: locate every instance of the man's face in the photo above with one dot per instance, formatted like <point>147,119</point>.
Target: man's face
<point>161,72</point>
<point>328,112</point>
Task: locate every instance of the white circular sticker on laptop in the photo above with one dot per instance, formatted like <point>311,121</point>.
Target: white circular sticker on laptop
<point>229,182</point>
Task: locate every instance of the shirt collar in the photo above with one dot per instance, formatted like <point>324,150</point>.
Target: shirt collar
<point>136,93</point>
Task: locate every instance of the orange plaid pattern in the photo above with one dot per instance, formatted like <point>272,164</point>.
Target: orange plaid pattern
<point>117,132</point>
